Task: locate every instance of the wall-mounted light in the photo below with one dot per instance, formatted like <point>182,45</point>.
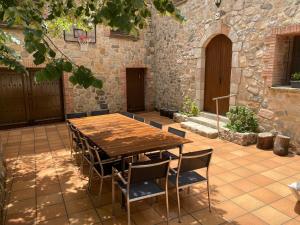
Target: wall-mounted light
<point>218,3</point>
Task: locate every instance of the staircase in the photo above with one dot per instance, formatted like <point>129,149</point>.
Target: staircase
<point>205,124</point>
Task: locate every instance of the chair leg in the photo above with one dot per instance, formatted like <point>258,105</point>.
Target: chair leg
<point>100,189</point>
<point>113,195</point>
<point>167,207</point>
<point>90,180</point>
<point>128,212</point>
<point>178,203</point>
<point>208,195</point>
<point>81,163</point>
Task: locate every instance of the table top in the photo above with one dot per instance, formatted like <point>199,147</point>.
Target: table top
<point>119,135</point>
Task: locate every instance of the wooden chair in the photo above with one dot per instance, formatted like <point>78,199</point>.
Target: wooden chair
<point>185,175</point>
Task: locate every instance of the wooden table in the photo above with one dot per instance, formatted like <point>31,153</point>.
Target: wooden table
<point>119,135</point>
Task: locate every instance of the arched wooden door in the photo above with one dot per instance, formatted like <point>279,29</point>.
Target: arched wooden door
<point>217,73</point>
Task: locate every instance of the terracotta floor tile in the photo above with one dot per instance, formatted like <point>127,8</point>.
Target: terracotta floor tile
<point>207,218</point>
<point>242,172</point>
<point>256,167</point>
<point>229,210</point>
<point>22,218</point>
<point>247,202</point>
<point>265,195</point>
<point>186,220</point>
<point>228,177</point>
<point>22,194</point>
<point>50,212</point>
<point>244,185</point>
<point>105,212</point>
<point>148,216</point>
<point>248,219</point>
<point>78,205</point>
<point>229,191</point>
<point>279,188</point>
<point>48,189</point>
<point>272,174</point>
<point>84,218</point>
<point>117,221</point>
<point>292,222</point>
<point>260,180</point>
<point>27,205</point>
<point>56,221</point>
<point>271,215</point>
<point>288,207</point>
<point>51,199</point>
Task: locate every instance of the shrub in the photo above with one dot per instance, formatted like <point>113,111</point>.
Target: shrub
<point>242,119</point>
<point>190,108</point>
<point>296,76</point>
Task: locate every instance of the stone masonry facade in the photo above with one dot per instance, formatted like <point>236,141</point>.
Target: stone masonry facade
<point>258,30</point>
<point>173,55</point>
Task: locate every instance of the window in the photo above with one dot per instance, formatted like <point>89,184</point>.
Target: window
<point>295,60</point>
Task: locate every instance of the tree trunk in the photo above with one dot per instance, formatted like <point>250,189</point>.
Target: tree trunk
<point>281,145</point>
<point>265,140</point>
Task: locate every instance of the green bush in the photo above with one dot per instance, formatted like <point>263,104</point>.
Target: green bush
<point>242,119</point>
<point>296,76</point>
<point>190,108</point>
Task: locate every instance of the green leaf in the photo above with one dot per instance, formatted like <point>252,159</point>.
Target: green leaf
<point>38,58</point>
<point>67,66</point>
<point>52,53</point>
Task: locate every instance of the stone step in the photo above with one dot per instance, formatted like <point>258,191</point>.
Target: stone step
<point>212,123</point>
<point>214,116</point>
<point>200,129</point>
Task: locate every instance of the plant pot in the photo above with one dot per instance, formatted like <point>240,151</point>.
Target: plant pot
<point>295,83</point>
<point>171,113</point>
<point>163,112</point>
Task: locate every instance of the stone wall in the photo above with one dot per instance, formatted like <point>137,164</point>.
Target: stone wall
<point>108,58</point>
<point>179,62</point>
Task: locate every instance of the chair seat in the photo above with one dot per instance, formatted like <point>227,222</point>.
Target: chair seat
<point>141,190</point>
<point>165,155</point>
<point>107,167</point>
<point>186,178</point>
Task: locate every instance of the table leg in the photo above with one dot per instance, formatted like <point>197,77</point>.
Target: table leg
<point>180,149</point>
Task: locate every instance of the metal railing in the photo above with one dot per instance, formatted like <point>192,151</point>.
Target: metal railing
<point>217,108</point>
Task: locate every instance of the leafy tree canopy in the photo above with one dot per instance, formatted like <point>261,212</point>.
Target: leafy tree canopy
<point>41,20</point>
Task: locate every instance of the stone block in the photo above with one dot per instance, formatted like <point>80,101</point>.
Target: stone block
<point>243,139</point>
<point>267,114</point>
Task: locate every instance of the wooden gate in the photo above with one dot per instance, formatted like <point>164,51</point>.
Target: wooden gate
<point>135,89</point>
<point>25,102</point>
<point>217,73</point>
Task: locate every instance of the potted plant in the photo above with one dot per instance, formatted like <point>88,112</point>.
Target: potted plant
<point>295,80</point>
<point>242,126</point>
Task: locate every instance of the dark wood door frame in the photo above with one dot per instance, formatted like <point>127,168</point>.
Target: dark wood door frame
<point>135,89</point>
<point>217,73</point>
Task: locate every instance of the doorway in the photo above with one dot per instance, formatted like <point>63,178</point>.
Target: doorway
<point>217,73</point>
<point>135,89</point>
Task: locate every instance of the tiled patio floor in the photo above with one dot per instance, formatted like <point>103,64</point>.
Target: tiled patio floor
<point>249,186</point>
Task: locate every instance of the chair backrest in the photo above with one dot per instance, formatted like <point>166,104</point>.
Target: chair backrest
<point>177,132</point>
<point>74,132</point>
<point>194,160</point>
<point>100,112</point>
<point>128,114</point>
<point>139,118</point>
<point>76,115</point>
<point>155,124</point>
<point>148,171</point>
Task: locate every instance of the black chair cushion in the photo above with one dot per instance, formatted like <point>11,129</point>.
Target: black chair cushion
<point>141,189</point>
<point>107,167</point>
<point>186,178</point>
<point>165,155</point>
